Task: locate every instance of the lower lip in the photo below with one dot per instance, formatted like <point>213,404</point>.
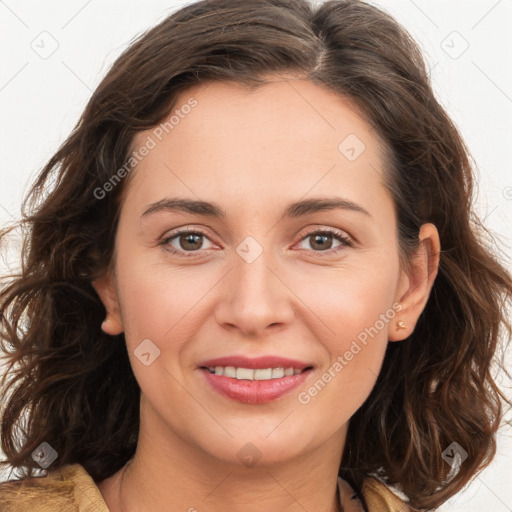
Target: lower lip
<point>254,391</point>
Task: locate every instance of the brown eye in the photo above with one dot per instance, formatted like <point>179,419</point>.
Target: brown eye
<point>322,241</point>
<point>185,241</point>
<point>190,241</point>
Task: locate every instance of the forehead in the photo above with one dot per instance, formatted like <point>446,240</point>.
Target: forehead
<point>289,133</point>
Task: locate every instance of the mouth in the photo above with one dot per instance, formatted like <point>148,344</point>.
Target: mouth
<point>254,381</point>
<point>241,373</point>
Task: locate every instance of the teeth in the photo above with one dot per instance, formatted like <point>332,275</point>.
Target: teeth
<point>253,374</point>
<point>265,374</point>
<point>245,373</point>
<point>277,373</point>
<point>230,371</point>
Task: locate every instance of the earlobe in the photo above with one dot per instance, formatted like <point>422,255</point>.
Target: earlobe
<point>105,288</point>
<point>419,282</point>
<point>400,329</point>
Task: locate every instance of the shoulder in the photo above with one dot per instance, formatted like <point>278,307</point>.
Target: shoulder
<point>66,489</point>
<point>379,497</point>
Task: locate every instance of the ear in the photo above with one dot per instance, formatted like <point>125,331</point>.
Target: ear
<point>106,290</point>
<point>415,286</point>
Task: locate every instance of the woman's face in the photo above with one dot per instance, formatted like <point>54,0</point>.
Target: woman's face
<point>258,275</point>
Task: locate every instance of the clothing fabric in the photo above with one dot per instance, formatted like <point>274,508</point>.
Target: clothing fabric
<point>71,489</point>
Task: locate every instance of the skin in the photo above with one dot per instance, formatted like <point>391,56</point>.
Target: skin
<point>254,153</point>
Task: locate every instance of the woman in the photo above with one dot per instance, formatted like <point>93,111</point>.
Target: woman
<point>255,282</point>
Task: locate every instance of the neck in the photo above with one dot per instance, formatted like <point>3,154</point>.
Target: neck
<point>168,473</point>
<point>270,489</point>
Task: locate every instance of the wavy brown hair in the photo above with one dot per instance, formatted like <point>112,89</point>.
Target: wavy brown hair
<point>71,385</point>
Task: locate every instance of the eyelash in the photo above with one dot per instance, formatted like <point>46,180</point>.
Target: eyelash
<point>328,231</point>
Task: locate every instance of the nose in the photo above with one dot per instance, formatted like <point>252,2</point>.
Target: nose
<point>255,296</point>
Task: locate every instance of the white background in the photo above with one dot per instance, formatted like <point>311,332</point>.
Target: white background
<point>42,98</point>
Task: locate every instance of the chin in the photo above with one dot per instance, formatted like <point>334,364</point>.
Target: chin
<point>257,449</point>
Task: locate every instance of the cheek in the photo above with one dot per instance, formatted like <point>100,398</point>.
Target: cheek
<point>355,354</point>
<point>158,300</point>
<point>350,300</point>
<point>164,306</point>
<point>353,312</point>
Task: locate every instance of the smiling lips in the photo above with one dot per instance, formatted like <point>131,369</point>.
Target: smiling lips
<point>254,381</point>
<point>253,374</point>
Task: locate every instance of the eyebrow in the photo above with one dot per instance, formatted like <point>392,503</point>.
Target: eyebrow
<point>293,210</point>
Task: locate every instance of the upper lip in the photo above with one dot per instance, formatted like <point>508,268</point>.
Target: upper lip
<point>256,362</point>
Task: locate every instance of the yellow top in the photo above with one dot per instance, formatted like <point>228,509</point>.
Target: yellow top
<point>71,489</point>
